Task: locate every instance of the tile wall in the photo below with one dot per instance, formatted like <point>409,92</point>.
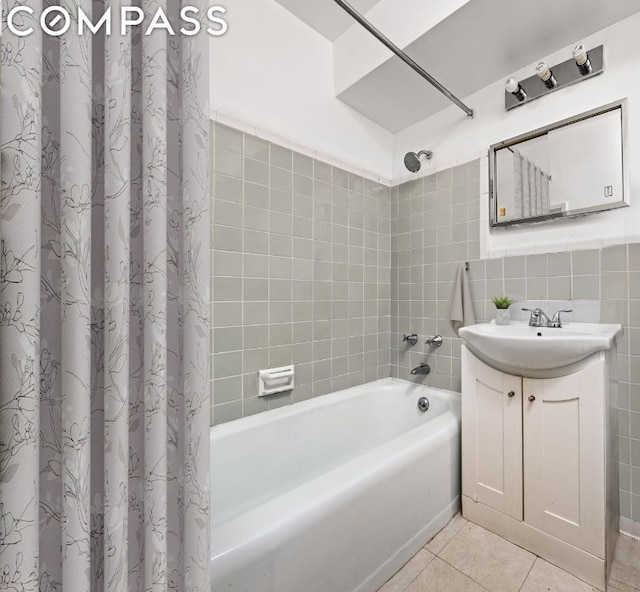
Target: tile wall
<point>315,266</point>
<point>435,228</point>
<point>301,274</point>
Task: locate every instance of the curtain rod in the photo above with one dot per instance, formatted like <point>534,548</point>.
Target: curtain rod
<point>403,56</point>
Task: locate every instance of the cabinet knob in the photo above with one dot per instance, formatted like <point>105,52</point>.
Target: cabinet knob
<point>532,399</point>
<point>511,394</point>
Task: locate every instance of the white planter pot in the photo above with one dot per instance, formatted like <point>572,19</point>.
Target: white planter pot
<point>503,317</point>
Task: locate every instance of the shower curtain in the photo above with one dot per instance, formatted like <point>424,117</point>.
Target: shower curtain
<point>531,188</point>
<point>104,299</point>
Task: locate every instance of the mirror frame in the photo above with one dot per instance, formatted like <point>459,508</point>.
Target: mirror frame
<point>494,224</point>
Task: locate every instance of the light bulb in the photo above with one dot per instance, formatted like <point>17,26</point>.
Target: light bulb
<point>546,75</point>
<point>513,86</point>
<point>581,57</point>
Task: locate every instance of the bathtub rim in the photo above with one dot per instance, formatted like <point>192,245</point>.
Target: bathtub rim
<point>245,423</point>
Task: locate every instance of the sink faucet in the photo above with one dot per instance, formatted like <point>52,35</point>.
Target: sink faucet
<point>421,369</point>
<point>540,319</point>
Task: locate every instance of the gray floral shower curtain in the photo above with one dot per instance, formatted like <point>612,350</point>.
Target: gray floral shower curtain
<point>104,280</point>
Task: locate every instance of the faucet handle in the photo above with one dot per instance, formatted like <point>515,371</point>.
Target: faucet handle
<point>537,314</point>
<point>556,321</point>
<point>435,341</point>
<point>412,339</point>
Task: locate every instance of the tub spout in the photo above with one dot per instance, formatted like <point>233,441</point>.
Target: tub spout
<point>421,369</point>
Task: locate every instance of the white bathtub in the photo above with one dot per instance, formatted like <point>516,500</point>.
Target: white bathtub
<point>334,494</point>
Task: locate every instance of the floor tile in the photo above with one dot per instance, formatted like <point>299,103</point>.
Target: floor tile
<point>409,572</point>
<point>467,558</point>
<point>439,541</point>
<point>618,586</point>
<point>496,564</point>
<point>625,572</point>
<point>545,577</point>
<point>441,577</point>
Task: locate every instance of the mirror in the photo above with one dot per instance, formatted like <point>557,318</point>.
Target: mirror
<point>571,168</point>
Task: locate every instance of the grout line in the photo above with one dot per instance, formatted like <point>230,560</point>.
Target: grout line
<point>421,572</point>
<point>451,540</point>
<point>528,573</point>
<point>464,574</point>
<point>243,275</point>
<point>403,568</point>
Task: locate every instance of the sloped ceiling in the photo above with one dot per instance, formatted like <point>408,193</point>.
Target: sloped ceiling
<point>478,44</point>
<point>325,16</point>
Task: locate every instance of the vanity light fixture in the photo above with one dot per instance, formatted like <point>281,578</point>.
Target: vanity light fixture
<point>513,86</point>
<point>582,65</point>
<point>546,75</point>
<point>581,57</point>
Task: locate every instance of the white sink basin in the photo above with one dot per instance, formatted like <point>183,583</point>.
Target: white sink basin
<point>538,352</point>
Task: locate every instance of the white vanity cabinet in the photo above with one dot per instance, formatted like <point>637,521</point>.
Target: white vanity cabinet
<point>492,437</point>
<point>538,462</point>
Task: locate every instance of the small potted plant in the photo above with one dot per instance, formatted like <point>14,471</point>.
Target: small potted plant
<point>502,304</point>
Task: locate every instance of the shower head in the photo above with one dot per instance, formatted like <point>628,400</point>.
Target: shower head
<point>412,160</point>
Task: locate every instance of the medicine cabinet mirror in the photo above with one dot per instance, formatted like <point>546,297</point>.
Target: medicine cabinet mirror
<point>571,168</point>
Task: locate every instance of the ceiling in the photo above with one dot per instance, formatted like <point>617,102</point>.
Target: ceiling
<point>482,42</point>
<point>325,16</point>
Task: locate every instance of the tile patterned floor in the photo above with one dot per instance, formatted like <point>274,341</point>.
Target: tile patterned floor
<point>464,557</point>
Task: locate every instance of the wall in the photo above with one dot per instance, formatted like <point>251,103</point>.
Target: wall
<point>430,219</point>
<point>434,228</point>
<point>301,274</point>
<point>455,139</point>
<point>282,84</point>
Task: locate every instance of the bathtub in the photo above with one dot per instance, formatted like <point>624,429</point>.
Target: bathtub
<point>334,494</point>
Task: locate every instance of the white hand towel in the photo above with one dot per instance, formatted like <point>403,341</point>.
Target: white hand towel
<point>460,306</point>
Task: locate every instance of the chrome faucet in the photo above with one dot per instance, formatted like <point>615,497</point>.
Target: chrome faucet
<point>423,369</point>
<point>539,318</point>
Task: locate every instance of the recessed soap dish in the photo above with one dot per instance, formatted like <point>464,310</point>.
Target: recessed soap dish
<point>275,380</point>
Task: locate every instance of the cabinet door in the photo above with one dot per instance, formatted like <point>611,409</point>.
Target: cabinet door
<point>564,456</point>
<point>491,436</point>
